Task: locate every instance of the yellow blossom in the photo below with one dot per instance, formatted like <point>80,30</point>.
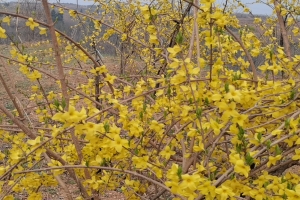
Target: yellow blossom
<point>43,31</point>
<point>273,160</point>
<point>241,168</point>
<point>31,23</point>
<point>119,143</point>
<point>167,152</point>
<point>73,13</point>
<point>224,192</point>
<point>109,78</point>
<point>6,20</point>
<point>297,155</point>
<point>2,33</point>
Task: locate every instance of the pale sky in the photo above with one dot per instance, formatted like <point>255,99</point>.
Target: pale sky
<point>256,8</point>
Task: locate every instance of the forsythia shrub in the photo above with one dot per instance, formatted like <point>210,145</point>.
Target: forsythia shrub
<point>212,111</point>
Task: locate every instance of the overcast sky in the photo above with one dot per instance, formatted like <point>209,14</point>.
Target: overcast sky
<point>255,7</point>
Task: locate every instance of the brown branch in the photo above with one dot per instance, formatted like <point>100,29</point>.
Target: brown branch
<point>284,35</point>
<point>12,98</point>
<point>57,54</point>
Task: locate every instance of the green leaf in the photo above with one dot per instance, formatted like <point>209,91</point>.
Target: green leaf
<point>292,94</point>
<point>206,101</point>
<point>268,143</point>
<point>271,54</point>
<point>199,112</point>
<point>63,103</point>
<point>141,115</point>
<point>289,186</point>
<point>259,136</point>
<point>169,91</point>
<point>287,123</point>
<point>136,151</point>
<point>106,127</point>
<point>278,151</point>
<point>179,38</point>
<point>238,148</point>
<point>179,172</point>
<point>226,87</point>
<point>249,159</point>
<point>241,134</point>
<point>56,103</point>
<point>232,176</point>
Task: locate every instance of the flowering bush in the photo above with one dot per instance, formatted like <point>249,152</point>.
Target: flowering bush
<point>212,114</point>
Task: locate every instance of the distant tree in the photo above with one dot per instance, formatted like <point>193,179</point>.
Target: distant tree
<point>56,16</point>
<point>53,15</point>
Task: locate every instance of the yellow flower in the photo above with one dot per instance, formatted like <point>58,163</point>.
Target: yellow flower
<point>190,181</point>
<point>173,172</point>
<point>216,126</point>
<point>179,78</point>
<point>157,127</point>
<point>276,132</point>
<point>200,146</point>
<point>35,196</point>
<point>119,143</point>
<point>34,75</point>
<point>153,39</point>
<point>273,160</point>
<point>296,31</point>
<point>145,8</point>
<point>102,69</point>
<point>264,67</point>
<point>31,23</point>
<point>246,10</point>
<point>6,20</point>
<point>167,152</point>
<point>61,11</point>
<point>233,94</point>
<point>209,41</point>
<point>2,33</point>
<point>151,29</point>
<point>43,31</point>
<point>124,37</point>
<point>9,197</point>
<point>240,119</point>
<point>140,162</point>
<point>224,192</point>
<point>16,155</point>
<point>72,116</point>
<point>173,51</point>
<point>37,140</point>
<point>73,13</point>
<point>275,186</point>
<point>109,78</point>
<point>297,155</point>
<point>229,109</point>
<point>241,168</point>
<point>259,194</point>
<point>234,157</point>
<point>13,52</point>
<point>275,68</point>
<point>293,195</point>
<point>206,4</point>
